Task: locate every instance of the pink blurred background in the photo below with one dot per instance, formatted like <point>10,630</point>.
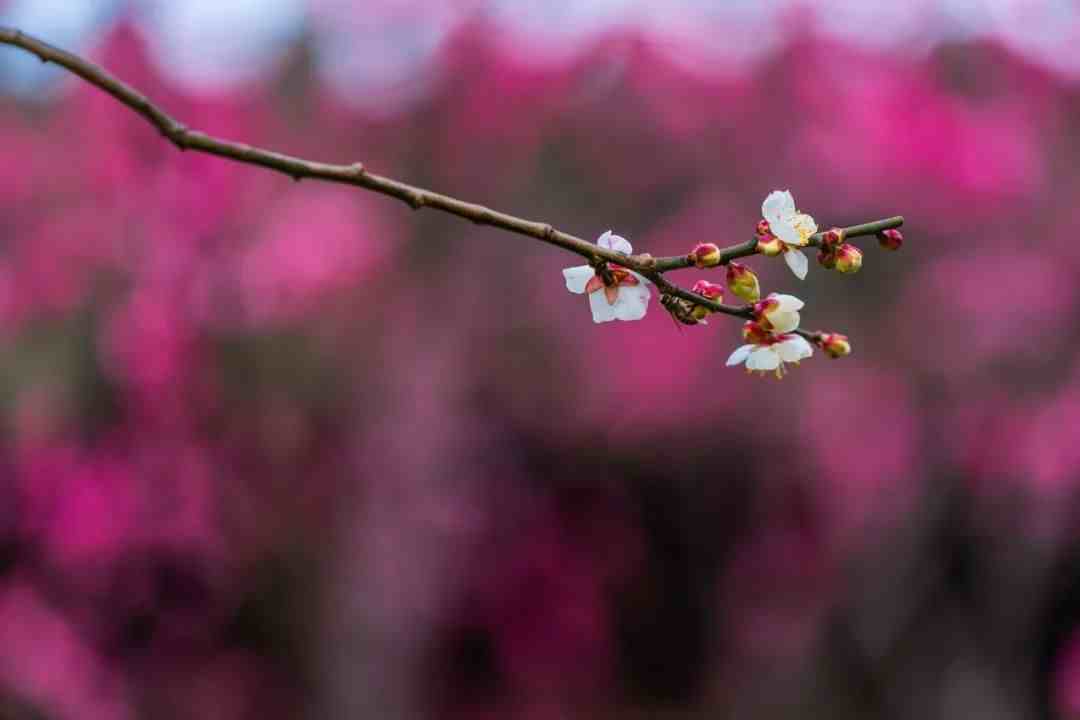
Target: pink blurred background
<point>290,450</point>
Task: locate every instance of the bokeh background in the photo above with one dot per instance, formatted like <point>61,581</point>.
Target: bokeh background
<point>290,450</point>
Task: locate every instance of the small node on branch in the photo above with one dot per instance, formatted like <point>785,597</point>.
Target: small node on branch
<point>177,134</point>
<point>358,169</point>
<point>482,216</point>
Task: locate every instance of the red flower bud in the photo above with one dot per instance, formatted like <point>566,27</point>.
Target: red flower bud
<point>832,238</point>
<point>890,239</point>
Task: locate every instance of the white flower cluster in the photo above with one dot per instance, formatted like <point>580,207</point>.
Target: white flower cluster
<point>619,293</point>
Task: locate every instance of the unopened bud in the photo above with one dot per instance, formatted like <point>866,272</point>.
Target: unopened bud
<point>763,228</point>
<point>890,239</point>
<point>832,238</point>
<point>705,255</point>
<point>848,258</point>
<point>769,245</point>
<point>708,289</point>
<point>742,281</point>
<point>827,258</point>
<point>835,345</point>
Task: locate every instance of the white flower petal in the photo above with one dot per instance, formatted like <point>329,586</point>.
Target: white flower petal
<point>615,242</point>
<point>794,349</point>
<point>797,262</point>
<point>787,302</point>
<point>784,322</point>
<point>601,311</point>
<point>578,277</point>
<point>764,358</point>
<point>778,206</point>
<point>740,355</point>
<point>786,232</point>
<point>632,302</point>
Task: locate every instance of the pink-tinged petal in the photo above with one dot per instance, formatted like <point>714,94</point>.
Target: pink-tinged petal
<point>611,294</point>
<point>797,262</point>
<point>633,302</point>
<point>629,280</point>
<point>595,283</point>
<point>778,207</point>
<point>739,356</point>
<point>763,359</point>
<point>641,278</point>
<point>601,311</point>
<point>794,349</point>
<point>578,277</point>
<point>615,242</point>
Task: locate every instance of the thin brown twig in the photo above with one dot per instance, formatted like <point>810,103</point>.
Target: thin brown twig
<point>676,262</point>
<point>417,198</point>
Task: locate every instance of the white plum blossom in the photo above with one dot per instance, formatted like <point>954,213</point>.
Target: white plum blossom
<point>778,312</point>
<point>769,352</point>
<point>626,299</point>
<point>791,227</point>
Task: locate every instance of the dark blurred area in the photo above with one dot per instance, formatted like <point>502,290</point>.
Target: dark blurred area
<point>278,449</point>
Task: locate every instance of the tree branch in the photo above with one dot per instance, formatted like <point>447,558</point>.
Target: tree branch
<point>297,168</point>
<point>416,197</point>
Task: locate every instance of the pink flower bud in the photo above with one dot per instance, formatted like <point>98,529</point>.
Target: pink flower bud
<point>835,345</point>
<point>769,245</point>
<point>708,289</point>
<point>890,239</point>
<point>848,258</point>
<point>705,255</point>
<point>763,228</point>
<point>742,281</point>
